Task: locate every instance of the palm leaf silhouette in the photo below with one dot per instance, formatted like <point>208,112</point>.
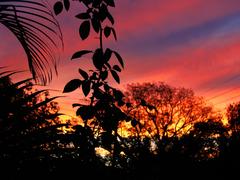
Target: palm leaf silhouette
<point>37,30</point>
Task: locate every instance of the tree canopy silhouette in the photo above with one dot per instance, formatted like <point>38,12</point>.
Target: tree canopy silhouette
<point>29,126</point>
<point>233,115</point>
<point>166,111</point>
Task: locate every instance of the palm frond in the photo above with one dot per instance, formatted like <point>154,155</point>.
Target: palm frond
<point>38,32</point>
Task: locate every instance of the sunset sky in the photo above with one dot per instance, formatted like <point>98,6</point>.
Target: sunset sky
<point>188,43</point>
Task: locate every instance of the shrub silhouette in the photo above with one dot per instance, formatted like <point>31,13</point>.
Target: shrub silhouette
<point>28,126</point>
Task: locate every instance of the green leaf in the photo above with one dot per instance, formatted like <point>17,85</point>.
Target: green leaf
<point>58,7</point>
<point>120,60</point>
<point>86,86</point>
<point>110,3</point>
<point>107,54</point>
<point>117,68</point>
<point>107,31</point>
<point>83,16</point>
<point>98,59</point>
<point>83,73</point>
<point>84,30</point>
<point>66,4</point>
<point>115,76</point>
<point>72,85</point>
<point>80,54</point>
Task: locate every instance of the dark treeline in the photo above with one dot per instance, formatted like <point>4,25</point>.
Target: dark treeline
<point>32,140</point>
<point>151,131</point>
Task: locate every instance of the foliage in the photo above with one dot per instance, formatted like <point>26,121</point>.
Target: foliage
<point>204,142</point>
<point>172,129</point>
<point>233,115</point>
<point>102,115</point>
<point>162,118</point>
<point>38,32</point>
<point>28,124</point>
<point>164,111</point>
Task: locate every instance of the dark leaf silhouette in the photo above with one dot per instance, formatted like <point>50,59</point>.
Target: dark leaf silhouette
<point>58,7</point>
<point>103,12</point>
<point>84,30</point>
<point>117,68</point>
<point>110,2</point>
<point>83,73</point>
<point>79,54</point>
<point>104,75</point>
<point>72,85</point>
<point>118,94</point>
<point>86,86</point>
<point>85,112</point>
<point>96,3</point>
<point>95,24</point>
<point>106,87</point>
<point>115,76</point>
<point>98,59</point>
<point>76,105</point>
<point>107,54</point>
<point>107,31</point>
<point>114,33</point>
<point>109,16</point>
<point>83,16</point>
<point>66,4</point>
<point>120,60</point>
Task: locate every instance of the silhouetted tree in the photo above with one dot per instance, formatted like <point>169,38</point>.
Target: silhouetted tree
<point>231,146</point>
<point>161,111</point>
<point>204,141</point>
<point>102,114</point>
<point>233,116</point>
<point>29,127</point>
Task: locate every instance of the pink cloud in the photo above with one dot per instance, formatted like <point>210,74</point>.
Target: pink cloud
<point>166,17</point>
